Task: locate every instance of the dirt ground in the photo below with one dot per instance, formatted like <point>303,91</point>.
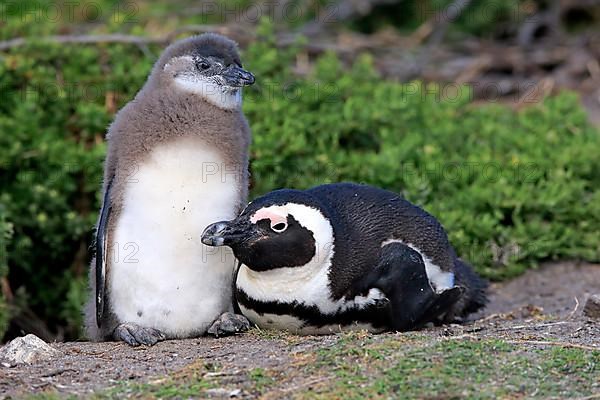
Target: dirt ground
<point>540,306</point>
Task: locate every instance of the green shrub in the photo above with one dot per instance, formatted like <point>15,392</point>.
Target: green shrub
<point>5,235</point>
<point>56,105</point>
<point>512,188</point>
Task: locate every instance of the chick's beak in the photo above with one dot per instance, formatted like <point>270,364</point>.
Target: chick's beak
<point>225,233</point>
<point>237,77</point>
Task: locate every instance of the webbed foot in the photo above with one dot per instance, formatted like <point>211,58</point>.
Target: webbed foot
<point>228,324</point>
<point>135,335</point>
<point>439,304</point>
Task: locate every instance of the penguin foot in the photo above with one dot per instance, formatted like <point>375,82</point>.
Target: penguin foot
<point>229,324</point>
<point>441,303</point>
<point>135,335</point>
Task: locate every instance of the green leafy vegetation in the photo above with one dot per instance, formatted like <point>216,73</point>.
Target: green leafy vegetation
<point>43,17</point>
<point>494,177</point>
<point>5,235</point>
<point>513,188</point>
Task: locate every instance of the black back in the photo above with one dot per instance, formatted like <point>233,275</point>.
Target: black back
<point>365,216</point>
<point>362,218</point>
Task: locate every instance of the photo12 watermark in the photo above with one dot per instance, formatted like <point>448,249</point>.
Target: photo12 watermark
<point>65,12</point>
<point>273,10</point>
<point>475,12</point>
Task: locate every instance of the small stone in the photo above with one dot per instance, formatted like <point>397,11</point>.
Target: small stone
<point>220,392</point>
<point>592,306</point>
<point>27,350</point>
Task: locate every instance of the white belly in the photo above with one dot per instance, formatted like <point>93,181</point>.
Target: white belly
<point>161,275</point>
<point>299,327</point>
<point>306,285</point>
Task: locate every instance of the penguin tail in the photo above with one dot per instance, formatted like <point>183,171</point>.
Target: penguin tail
<point>475,287</point>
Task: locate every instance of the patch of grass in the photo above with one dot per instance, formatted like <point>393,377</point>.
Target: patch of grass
<point>260,379</point>
<point>270,334</point>
<point>486,369</point>
<point>168,390</point>
<point>186,383</point>
<point>50,396</point>
<point>189,382</point>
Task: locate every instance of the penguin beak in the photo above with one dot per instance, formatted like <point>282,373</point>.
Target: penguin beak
<point>235,76</point>
<point>225,233</point>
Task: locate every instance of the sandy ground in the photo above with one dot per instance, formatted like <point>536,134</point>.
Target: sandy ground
<point>544,304</point>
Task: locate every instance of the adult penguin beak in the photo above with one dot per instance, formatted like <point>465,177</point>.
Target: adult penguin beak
<point>225,233</point>
<point>235,76</point>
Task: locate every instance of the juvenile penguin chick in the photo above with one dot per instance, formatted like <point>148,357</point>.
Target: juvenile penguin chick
<point>177,160</point>
<point>345,256</point>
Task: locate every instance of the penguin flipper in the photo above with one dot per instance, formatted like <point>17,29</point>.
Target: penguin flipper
<point>401,276</point>
<point>102,254</point>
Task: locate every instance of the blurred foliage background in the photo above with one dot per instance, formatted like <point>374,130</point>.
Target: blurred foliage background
<point>380,92</point>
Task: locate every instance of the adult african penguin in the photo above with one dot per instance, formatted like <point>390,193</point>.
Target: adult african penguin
<point>177,161</point>
<point>345,256</point>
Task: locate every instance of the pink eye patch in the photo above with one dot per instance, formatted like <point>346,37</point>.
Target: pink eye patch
<point>269,214</point>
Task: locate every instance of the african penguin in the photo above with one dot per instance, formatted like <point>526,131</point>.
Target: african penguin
<point>345,256</point>
<point>177,160</point>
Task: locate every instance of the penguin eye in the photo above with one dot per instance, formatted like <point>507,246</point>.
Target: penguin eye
<point>202,65</point>
<point>279,227</point>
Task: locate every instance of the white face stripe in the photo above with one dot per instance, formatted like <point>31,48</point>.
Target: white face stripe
<point>221,96</point>
<point>218,95</point>
<point>438,279</point>
<point>308,284</point>
<point>309,218</point>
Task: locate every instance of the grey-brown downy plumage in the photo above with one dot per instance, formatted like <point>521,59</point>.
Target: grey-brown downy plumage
<point>177,160</point>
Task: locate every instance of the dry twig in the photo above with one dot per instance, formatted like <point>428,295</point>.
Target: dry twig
<point>575,309</point>
<point>533,326</point>
<point>117,37</point>
<point>559,344</point>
